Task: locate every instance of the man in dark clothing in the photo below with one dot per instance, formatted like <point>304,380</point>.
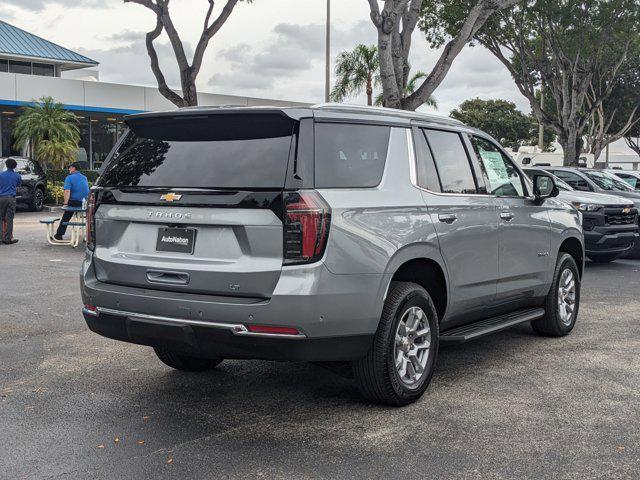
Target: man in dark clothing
<point>9,183</point>
<point>76,190</point>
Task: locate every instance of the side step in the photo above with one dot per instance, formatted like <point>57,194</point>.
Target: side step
<point>489,325</point>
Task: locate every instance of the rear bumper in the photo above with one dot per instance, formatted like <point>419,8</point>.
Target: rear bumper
<point>214,340</point>
<point>337,316</point>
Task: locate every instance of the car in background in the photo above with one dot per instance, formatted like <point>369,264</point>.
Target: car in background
<point>34,183</point>
<point>598,181</point>
<point>628,176</point>
<point>609,222</point>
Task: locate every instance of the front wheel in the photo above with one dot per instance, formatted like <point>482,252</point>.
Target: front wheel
<point>185,363</point>
<point>398,368</point>
<point>563,300</point>
<point>37,200</point>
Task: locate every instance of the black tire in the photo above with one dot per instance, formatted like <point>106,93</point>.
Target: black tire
<point>604,258</point>
<point>37,200</point>
<point>376,374</point>
<point>552,324</point>
<point>185,363</point>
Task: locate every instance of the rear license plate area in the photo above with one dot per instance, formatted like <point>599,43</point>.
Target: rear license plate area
<point>176,240</point>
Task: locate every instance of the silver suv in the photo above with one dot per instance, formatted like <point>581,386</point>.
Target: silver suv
<point>364,236</point>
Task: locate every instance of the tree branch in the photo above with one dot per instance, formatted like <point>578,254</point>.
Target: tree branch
<point>209,32</point>
<point>477,17</point>
<point>155,67</point>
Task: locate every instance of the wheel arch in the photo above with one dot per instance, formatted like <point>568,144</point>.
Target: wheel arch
<point>422,265</point>
<point>574,247</point>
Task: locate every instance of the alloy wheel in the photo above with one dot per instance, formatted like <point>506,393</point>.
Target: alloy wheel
<point>566,296</point>
<point>412,345</point>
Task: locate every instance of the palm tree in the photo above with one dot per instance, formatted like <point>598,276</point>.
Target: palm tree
<point>51,131</point>
<point>410,88</point>
<point>357,70</point>
<point>59,153</point>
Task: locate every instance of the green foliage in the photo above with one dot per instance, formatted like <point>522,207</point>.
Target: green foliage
<point>356,71</point>
<point>54,194</point>
<point>55,182</point>
<point>625,95</point>
<point>56,152</point>
<point>570,48</point>
<point>500,119</point>
<point>53,131</point>
<point>58,176</point>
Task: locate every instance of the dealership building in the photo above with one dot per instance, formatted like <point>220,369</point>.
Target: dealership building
<point>32,67</point>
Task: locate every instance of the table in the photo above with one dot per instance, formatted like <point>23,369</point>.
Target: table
<point>77,226</point>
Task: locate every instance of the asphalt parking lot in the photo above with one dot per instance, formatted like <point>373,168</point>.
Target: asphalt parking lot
<point>514,405</point>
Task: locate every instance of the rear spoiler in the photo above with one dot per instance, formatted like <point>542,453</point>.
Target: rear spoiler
<point>210,124</point>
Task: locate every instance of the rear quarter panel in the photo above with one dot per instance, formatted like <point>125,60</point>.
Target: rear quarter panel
<point>375,230</point>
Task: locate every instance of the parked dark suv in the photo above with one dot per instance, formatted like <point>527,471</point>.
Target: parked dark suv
<point>34,183</point>
<point>609,222</point>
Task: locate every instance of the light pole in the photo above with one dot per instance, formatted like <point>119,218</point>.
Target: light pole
<point>327,73</point>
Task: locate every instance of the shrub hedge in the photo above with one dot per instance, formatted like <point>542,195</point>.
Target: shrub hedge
<point>55,182</point>
<point>58,176</point>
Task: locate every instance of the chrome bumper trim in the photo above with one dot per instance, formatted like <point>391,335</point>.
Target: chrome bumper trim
<point>235,328</point>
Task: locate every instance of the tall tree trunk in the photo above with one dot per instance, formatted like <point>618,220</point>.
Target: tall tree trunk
<point>392,97</point>
<point>597,151</point>
<point>369,91</point>
<point>570,148</point>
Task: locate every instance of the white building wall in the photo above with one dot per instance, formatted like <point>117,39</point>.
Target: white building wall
<point>91,95</point>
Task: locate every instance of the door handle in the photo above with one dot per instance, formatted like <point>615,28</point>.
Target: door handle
<point>169,278</point>
<point>506,216</point>
<point>448,218</point>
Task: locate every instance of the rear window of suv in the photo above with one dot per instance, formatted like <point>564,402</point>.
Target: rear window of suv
<point>226,152</point>
<point>350,156</point>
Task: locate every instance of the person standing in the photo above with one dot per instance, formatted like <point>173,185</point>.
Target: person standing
<point>9,183</point>
<point>76,190</point>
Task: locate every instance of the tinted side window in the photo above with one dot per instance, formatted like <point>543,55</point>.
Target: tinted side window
<point>452,162</point>
<point>576,181</point>
<point>350,155</point>
<point>426,172</point>
<point>503,178</point>
<point>633,181</point>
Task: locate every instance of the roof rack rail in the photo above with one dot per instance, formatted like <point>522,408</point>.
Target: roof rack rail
<point>365,109</point>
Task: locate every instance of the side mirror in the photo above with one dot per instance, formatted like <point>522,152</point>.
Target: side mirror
<point>544,186</point>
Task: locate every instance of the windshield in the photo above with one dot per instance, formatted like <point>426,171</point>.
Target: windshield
<point>201,152</point>
<point>606,181</point>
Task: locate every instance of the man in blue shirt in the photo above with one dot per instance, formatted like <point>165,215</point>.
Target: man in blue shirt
<point>76,189</point>
<point>9,183</point>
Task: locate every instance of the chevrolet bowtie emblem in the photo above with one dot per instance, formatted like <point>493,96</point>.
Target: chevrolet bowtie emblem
<point>626,210</point>
<point>170,197</point>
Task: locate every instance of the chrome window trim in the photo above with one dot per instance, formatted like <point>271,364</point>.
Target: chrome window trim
<point>414,176</point>
<point>235,328</point>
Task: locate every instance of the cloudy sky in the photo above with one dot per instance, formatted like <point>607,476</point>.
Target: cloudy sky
<point>271,48</point>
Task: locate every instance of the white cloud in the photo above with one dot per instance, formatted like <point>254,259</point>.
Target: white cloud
<point>128,61</point>
<point>270,48</point>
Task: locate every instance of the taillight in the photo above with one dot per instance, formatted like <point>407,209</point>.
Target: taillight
<point>306,226</point>
<point>91,230</point>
